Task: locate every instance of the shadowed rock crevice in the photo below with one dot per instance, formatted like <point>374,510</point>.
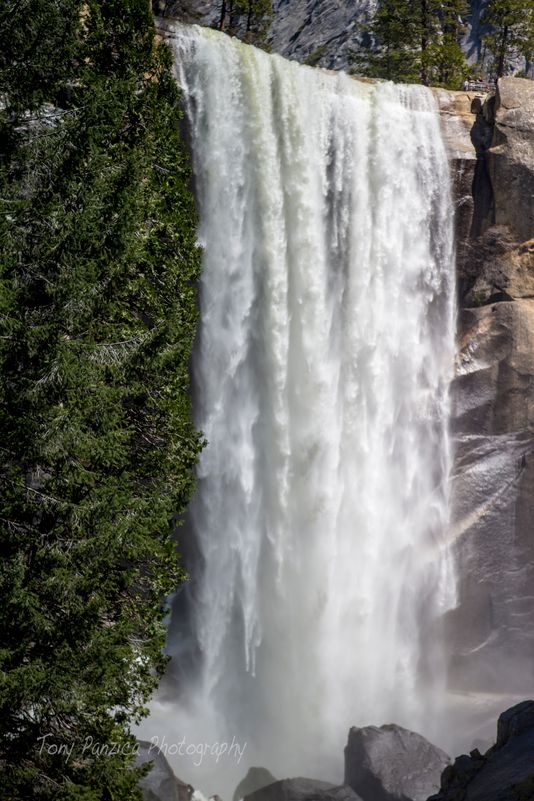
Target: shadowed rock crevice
<point>481,136</point>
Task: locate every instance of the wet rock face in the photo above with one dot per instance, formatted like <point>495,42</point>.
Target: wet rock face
<point>492,630</point>
<point>494,389</point>
<point>391,763</point>
<point>505,772</point>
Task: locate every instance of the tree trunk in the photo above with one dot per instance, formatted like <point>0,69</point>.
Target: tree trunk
<point>502,52</point>
<point>424,41</point>
<point>231,16</point>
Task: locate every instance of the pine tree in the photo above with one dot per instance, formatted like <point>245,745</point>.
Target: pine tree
<point>446,65</point>
<point>415,42</point>
<point>247,19</point>
<point>511,32</point>
<point>97,316</point>
<point>391,50</point>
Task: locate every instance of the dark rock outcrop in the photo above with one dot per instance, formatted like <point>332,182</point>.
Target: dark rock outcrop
<point>505,772</point>
<point>160,784</point>
<point>255,779</point>
<point>303,790</point>
<point>392,764</point>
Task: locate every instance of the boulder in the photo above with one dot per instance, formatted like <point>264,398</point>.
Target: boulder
<point>505,772</point>
<point>303,790</point>
<point>255,779</point>
<point>160,784</point>
<point>392,764</point>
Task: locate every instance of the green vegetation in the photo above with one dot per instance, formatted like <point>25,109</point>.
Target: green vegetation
<point>511,33</point>
<point>315,56</point>
<point>97,316</point>
<point>415,42</point>
<point>247,19</point>
<point>445,61</point>
<point>419,42</point>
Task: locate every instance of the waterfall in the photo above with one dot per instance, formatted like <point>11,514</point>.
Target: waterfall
<point>321,374</point>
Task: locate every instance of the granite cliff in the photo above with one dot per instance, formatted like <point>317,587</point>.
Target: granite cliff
<point>322,32</point>
<point>491,142</point>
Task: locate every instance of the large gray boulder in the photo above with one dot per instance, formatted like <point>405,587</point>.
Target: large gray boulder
<point>301,789</point>
<point>505,772</point>
<point>255,779</point>
<point>160,784</point>
<point>392,764</point>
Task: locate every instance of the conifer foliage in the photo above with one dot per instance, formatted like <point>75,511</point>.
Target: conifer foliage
<point>97,318</point>
<point>415,41</point>
<point>248,19</point>
<point>510,32</point>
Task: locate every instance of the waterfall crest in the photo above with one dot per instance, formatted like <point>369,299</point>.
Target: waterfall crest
<point>321,376</point>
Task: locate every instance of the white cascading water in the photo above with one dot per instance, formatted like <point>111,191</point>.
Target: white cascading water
<point>321,379</point>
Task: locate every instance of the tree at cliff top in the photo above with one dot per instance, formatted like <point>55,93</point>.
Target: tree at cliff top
<point>511,32</point>
<point>415,42</point>
<point>445,62</point>
<point>97,318</point>
<point>247,19</point>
